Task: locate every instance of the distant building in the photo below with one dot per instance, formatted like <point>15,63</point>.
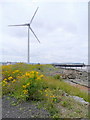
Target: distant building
<point>7,63</point>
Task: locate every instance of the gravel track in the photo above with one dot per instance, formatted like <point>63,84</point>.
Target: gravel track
<point>22,110</point>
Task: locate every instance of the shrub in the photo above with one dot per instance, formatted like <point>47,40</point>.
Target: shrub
<point>26,86</point>
<point>58,76</point>
<point>33,84</point>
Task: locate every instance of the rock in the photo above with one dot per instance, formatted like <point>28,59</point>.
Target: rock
<point>79,99</point>
<point>63,76</point>
<point>80,73</point>
<point>71,76</point>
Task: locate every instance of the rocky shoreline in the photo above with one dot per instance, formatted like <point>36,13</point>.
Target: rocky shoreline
<point>74,75</point>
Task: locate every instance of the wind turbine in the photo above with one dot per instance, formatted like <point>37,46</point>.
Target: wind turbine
<point>29,28</point>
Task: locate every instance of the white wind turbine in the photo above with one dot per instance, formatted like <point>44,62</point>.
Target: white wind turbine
<point>29,28</point>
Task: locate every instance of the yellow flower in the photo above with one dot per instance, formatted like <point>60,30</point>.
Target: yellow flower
<point>21,76</point>
<point>16,71</point>
<point>25,91</point>
<point>5,79</point>
<point>36,72</point>
<point>41,76</point>
<point>3,85</point>
<point>46,94</point>
<point>52,96</point>
<point>28,84</point>
<point>4,82</point>
<point>10,78</point>
<point>24,86</point>
<point>32,72</point>
<point>13,81</point>
<point>27,74</point>
<point>45,90</point>
<point>38,78</point>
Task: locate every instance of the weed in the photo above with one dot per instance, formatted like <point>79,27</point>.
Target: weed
<point>64,103</point>
<point>58,76</point>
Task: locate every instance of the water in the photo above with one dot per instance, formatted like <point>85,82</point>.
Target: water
<point>86,68</point>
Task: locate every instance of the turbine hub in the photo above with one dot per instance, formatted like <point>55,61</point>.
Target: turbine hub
<point>28,24</point>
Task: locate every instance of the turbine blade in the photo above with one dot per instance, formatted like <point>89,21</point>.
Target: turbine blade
<point>34,34</point>
<point>34,15</point>
<point>19,25</point>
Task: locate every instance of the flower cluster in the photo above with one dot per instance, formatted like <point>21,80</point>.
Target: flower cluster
<point>50,96</point>
<point>8,81</point>
<point>32,83</point>
<point>33,74</point>
<point>4,82</point>
<point>27,84</point>
<point>25,91</point>
<point>9,76</point>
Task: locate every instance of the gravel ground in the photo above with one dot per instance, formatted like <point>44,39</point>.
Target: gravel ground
<point>22,110</point>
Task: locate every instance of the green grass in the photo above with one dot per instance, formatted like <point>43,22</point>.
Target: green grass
<point>71,90</point>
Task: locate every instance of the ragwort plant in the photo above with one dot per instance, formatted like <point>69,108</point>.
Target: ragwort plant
<point>49,102</point>
<point>24,86</point>
<point>33,85</point>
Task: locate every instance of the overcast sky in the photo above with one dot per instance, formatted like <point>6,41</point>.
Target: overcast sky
<point>62,28</point>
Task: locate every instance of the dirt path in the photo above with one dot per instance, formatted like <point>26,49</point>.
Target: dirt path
<point>83,88</point>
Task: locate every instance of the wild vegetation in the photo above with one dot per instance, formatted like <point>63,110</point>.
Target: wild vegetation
<point>34,82</point>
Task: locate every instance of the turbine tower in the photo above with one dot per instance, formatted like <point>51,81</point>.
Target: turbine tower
<point>29,28</point>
